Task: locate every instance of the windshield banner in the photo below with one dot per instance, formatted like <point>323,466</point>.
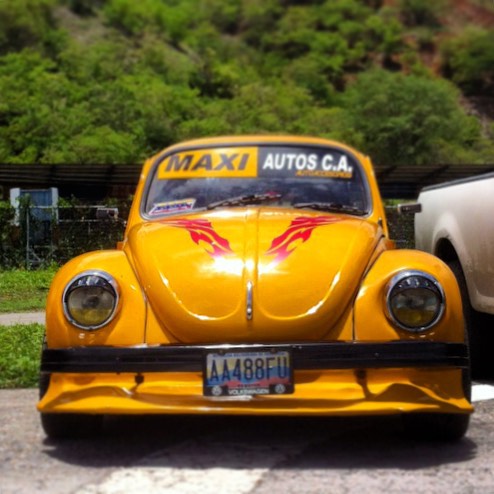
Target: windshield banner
<point>251,162</point>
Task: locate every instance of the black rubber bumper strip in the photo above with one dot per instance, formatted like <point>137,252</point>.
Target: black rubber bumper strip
<point>305,356</point>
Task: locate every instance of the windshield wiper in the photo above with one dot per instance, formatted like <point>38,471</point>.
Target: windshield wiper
<point>244,200</point>
<point>330,206</point>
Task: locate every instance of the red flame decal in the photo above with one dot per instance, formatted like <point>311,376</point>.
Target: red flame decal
<point>300,228</point>
<point>202,230</point>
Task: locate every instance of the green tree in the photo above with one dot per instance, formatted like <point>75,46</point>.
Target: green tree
<point>24,23</point>
<point>136,18</point>
<point>422,12</point>
<point>401,119</point>
<point>39,107</point>
<point>469,61</point>
<point>85,7</point>
<point>109,80</point>
<point>259,18</point>
<point>97,145</point>
<point>310,72</point>
<point>263,107</point>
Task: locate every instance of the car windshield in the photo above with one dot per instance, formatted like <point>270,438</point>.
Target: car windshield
<point>293,177</point>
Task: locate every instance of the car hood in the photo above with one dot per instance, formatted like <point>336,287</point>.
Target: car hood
<point>251,274</point>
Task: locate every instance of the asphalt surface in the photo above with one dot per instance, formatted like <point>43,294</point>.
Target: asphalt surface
<point>240,455</point>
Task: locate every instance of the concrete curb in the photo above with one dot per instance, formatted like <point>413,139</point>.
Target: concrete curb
<point>22,318</point>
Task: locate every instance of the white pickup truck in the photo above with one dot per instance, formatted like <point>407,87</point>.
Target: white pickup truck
<point>456,223</point>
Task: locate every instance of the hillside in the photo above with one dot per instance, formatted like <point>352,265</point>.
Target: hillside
<point>95,81</point>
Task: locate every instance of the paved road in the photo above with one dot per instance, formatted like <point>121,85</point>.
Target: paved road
<point>233,455</point>
<point>182,455</point>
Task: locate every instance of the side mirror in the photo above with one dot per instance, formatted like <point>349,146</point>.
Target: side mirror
<point>409,208</point>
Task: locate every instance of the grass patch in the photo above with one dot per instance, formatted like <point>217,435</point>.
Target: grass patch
<point>20,351</point>
<point>22,291</point>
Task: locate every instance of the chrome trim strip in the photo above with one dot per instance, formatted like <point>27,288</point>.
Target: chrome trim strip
<point>249,301</point>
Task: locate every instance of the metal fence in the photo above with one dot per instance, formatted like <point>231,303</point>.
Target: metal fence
<point>37,236</point>
<point>401,228</point>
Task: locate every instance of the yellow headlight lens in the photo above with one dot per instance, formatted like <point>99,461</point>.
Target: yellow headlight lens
<point>90,300</point>
<point>415,301</point>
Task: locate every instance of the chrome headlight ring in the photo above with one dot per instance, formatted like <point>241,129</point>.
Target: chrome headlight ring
<point>90,300</point>
<point>415,301</point>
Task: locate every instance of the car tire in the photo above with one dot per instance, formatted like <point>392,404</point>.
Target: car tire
<point>436,426</point>
<point>449,426</point>
<point>71,425</point>
<point>67,425</point>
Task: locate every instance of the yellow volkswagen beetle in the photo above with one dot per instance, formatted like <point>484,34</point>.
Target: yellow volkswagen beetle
<point>256,276</point>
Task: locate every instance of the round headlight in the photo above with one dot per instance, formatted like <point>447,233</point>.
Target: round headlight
<point>90,300</point>
<point>415,301</point>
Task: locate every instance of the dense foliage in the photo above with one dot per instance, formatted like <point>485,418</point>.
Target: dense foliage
<point>113,81</point>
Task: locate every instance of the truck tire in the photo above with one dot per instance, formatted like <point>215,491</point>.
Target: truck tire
<point>471,318</point>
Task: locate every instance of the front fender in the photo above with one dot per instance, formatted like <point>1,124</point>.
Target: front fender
<point>370,320</point>
<point>125,329</point>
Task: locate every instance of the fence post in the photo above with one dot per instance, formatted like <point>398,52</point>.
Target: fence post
<point>27,230</point>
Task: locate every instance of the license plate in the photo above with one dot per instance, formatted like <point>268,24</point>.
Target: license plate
<point>241,373</point>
